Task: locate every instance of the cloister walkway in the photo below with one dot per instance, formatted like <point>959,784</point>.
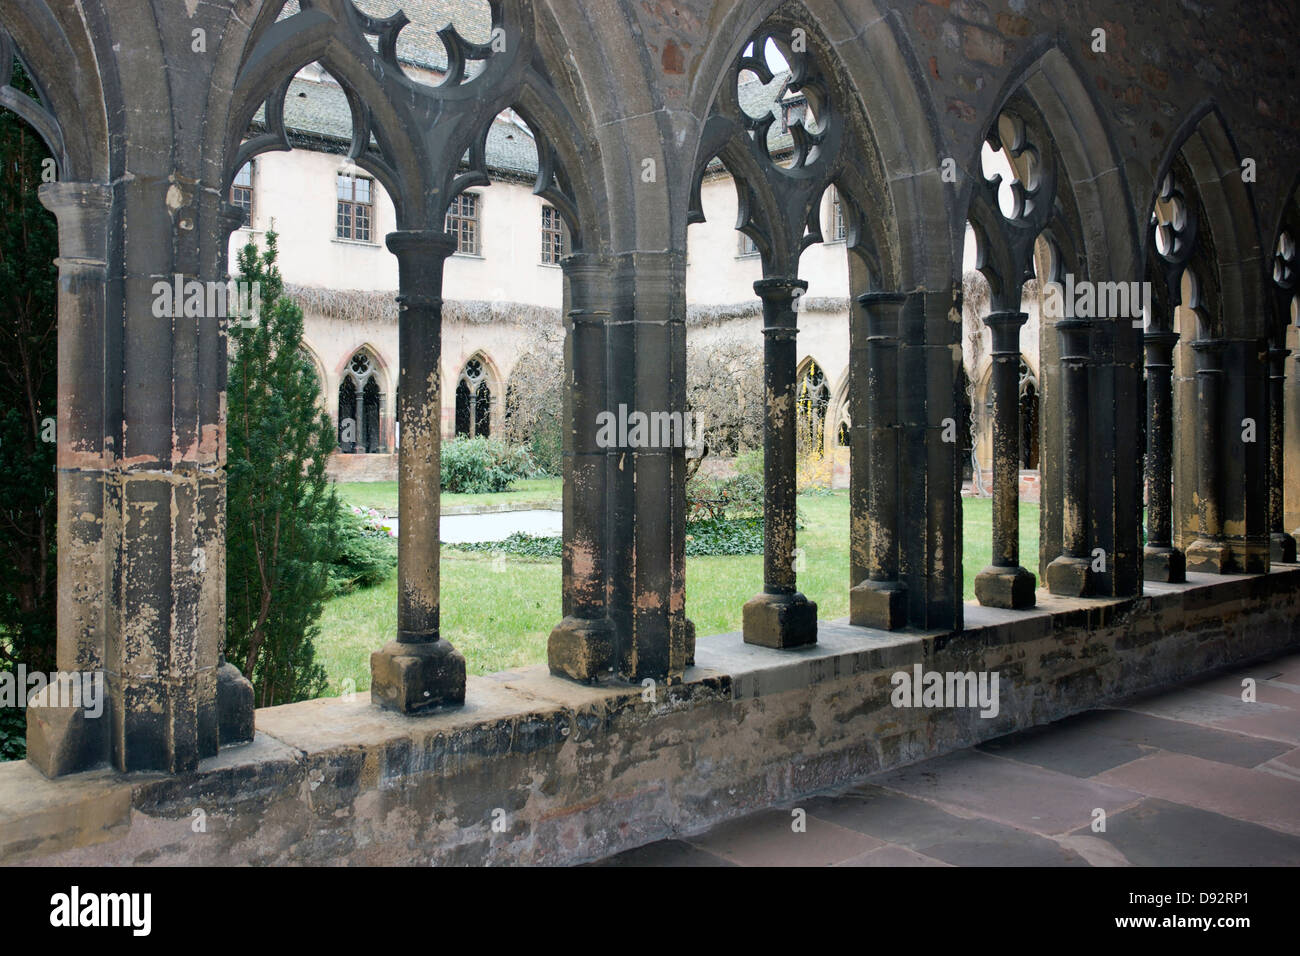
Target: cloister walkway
<point>1193,776</point>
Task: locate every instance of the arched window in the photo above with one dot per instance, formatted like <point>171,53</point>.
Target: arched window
<point>1028,418</point>
<point>360,407</point>
<point>473,402</point>
<point>814,398</point>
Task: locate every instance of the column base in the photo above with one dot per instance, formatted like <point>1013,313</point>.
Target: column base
<point>780,621</point>
<point>878,604</point>
<point>1069,577</point>
<point>1011,588</point>
<point>1164,564</point>
<point>581,649</point>
<point>64,740</point>
<point>234,706</point>
<point>411,678</point>
<point>1281,548</point>
<point>1209,557</point>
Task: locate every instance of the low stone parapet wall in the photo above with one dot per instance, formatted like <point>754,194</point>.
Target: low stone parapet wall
<point>536,769</point>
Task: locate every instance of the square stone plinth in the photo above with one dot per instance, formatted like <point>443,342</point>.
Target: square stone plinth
<point>411,678</point>
<point>780,621</point>
<point>581,649</point>
<point>1011,588</point>
<point>1209,557</point>
<point>878,604</point>
<point>1069,577</point>
<point>1164,564</point>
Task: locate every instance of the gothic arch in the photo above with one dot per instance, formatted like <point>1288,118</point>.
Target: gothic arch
<point>898,150</point>
<point>478,381</point>
<point>59,56</point>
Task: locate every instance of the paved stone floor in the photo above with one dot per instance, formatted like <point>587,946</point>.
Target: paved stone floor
<point>1191,777</point>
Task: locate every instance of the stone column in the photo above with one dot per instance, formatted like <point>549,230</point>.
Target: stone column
<point>1161,561</point>
<point>880,600</point>
<point>581,646</point>
<point>1005,583</point>
<point>1209,553</point>
<point>780,616</point>
<point>1071,572</point>
<point>418,670</point>
<point>63,740</point>
<point>1282,547</point>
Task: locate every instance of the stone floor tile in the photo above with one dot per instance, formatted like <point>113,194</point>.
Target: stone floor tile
<point>767,839</point>
<point>665,853</point>
<point>1250,795</point>
<point>1020,795</point>
<point>1201,707</point>
<point>1181,737</point>
<point>890,855</point>
<point>1070,749</point>
<point>1159,833</point>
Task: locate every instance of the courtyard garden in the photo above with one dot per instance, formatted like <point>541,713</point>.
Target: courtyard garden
<point>500,602</point>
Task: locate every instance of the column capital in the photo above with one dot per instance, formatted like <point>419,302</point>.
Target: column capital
<point>1074,334</point>
<point>884,312</point>
<point>1006,331</point>
<point>420,242</point>
<point>779,287</point>
<point>83,211</point>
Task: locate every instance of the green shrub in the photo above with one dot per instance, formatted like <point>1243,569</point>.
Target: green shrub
<point>750,463</point>
<point>366,556</point>
<point>740,496</point>
<point>13,733</point>
<point>520,544</point>
<point>478,466</point>
<point>710,536</point>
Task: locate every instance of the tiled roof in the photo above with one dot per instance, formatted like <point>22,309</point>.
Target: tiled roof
<point>321,110</point>
<point>418,43</point>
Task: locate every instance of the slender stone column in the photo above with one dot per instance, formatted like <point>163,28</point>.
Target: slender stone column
<point>581,646</point>
<point>1209,553</point>
<point>1161,561</point>
<point>63,740</point>
<point>1005,583</point>
<point>1282,548</point>
<point>780,616</point>
<point>419,670</point>
<point>1071,572</point>
<point>880,600</point>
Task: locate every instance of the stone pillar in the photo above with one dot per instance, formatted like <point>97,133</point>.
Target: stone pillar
<point>1161,561</point>
<point>780,616</point>
<point>880,600</point>
<point>1209,552</point>
<point>581,646</point>
<point>1070,573</point>
<point>418,670</point>
<point>1282,547</point>
<point>64,740</point>
<point>1005,583</point>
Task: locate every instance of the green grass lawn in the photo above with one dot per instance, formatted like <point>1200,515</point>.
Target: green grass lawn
<point>499,616</point>
<point>382,495</point>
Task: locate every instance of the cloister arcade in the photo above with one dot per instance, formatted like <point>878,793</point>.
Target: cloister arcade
<point>629,106</point>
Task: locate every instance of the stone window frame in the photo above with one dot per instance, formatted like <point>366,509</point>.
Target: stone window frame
<point>555,239</point>
<point>357,209</point>
<point>242,193</point>
<point>464,215</point>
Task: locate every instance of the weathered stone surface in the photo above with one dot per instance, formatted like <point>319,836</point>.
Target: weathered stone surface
<point>583,771</point>
<point>62,740</point>
<point>1005,587</point>
<point>414,677</point>
<point>234,705</point>
<point>780,620</point>
<point>880,605</point>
